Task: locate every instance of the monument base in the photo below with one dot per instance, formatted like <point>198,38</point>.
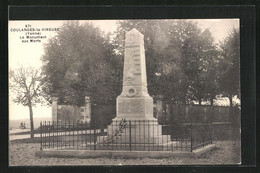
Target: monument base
<point>142,131</point>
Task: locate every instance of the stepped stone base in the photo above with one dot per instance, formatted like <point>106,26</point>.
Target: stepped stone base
<point>135,132</point>
<point>167,146</point>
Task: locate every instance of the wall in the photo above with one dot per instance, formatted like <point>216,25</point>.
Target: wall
<point>71,112</point>
<point>194,113</point>
<point>225,120</point>
<point>68,113</point>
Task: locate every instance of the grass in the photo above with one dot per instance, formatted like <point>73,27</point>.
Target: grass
<point>22,153</point>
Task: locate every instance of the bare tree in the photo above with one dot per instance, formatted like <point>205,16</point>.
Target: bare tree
<point>25,85</point>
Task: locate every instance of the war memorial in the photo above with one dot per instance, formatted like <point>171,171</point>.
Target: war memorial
<point>134,103</point>
<point>134,132</point>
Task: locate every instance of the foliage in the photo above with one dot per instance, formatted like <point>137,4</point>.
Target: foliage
<point>25,84</point>
<point>199,61</point>
<point>180,58</point>
<point>183,62</point>
<point>80,61</point>
<point>229,66</point>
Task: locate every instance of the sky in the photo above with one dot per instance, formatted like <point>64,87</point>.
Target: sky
<point>29,53</point>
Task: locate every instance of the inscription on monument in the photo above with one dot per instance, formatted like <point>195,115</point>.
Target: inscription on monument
<point>130,107</point>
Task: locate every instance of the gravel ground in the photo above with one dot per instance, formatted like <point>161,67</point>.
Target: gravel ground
<point>23,154</point>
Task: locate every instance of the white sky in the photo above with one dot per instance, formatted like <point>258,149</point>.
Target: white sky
<point>29,54</point>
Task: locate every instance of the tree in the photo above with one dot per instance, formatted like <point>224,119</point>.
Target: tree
<point>25,84</point>
<point>229,66</point>
<point>80,61</point>
<point>199,57</point>
<point>178,56</point>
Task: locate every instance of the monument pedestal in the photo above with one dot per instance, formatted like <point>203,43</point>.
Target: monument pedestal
<point>136,132</point>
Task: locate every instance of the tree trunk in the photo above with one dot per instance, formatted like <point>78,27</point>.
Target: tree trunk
<point>199,101</point>
<point>211,101</point>
<point>230,100</point>
<point>31,120</point>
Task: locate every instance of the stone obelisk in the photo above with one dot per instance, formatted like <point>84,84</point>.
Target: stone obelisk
<point>134,103</point>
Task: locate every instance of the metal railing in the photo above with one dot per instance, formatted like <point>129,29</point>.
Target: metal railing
<point>125,135</point>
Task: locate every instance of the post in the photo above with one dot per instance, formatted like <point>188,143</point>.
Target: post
<point>144,132</point>
<point>77,127</point>
<point>149,136</point>
<point>54,108</point>
<point>73,134</point>
<point>203,140</point>
<point>65,138</point>
<point>52,134</point>
<point>87,113</point>
<point>69,133</point>
<point>185,133</point>
<point>57,133</point>
<point>44,138</point>
<point>41,135</point>
<point>95,137</point>
<point>130,140</point>
<point>191,137</point>
<point>211,131</point>
<point>49,126</point>
<point>171,136</point>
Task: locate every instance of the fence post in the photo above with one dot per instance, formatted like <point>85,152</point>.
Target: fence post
<point>149,136</point>
<point>95,137</point>
<point>57,126</point>
<point>45,134</point>
<point>73,134</point>
<point>57,133</point>
<point>65,133</point>
<point>171,135</point>
<point>191,137</point>
<point>211,131</point>
<point>203,134</point>
<point>41,135</point>
<point>69,133</point>
<point>53,133</point>
<point>49,129</point>
<point>130,140</point>
<point>77,127</point>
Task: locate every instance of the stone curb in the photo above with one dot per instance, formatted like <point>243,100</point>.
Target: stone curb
<point>123,154</point>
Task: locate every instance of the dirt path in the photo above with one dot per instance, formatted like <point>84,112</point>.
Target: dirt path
<point>13,135</point>
<point>14,131</point>
<point>23,154</point>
